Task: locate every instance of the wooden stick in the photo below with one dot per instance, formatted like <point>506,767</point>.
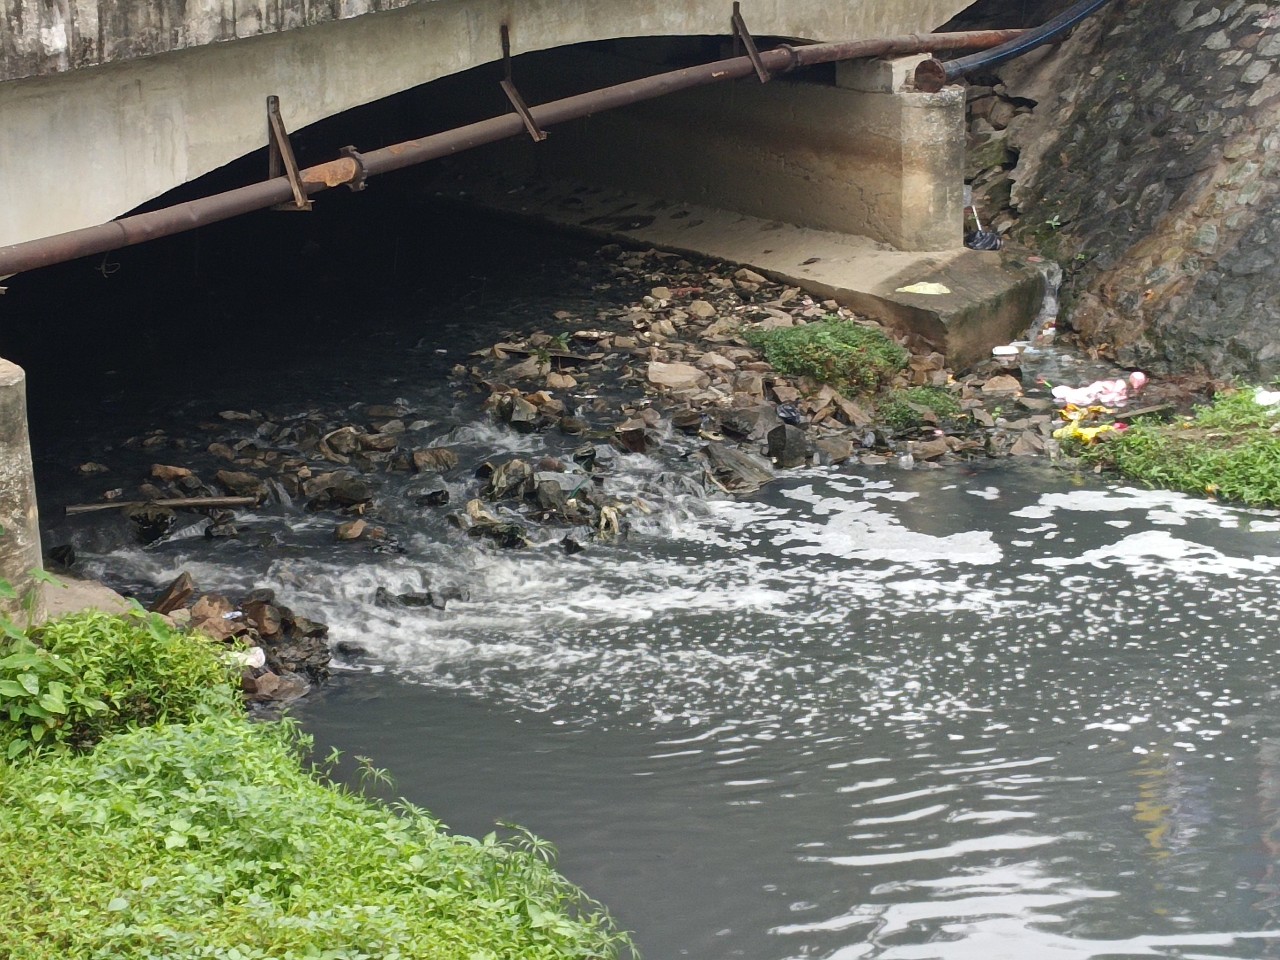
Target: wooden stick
<point>210,503</point>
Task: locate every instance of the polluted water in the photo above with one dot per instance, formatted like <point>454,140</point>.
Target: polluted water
<point>991,710</point>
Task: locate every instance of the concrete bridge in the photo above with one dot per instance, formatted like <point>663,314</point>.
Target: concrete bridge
<point>107,104</point>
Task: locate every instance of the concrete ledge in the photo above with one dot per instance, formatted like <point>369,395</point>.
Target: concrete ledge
<point>992,298</point>
<point>19,519</point>
<point>74,595</point>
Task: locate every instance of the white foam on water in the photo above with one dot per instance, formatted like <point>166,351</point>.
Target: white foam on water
<point>1157,552</point>
<point>1163,506</point>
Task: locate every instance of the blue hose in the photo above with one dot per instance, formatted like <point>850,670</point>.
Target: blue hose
<point>933,74</point>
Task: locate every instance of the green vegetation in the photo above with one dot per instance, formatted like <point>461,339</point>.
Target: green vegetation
<point>75,680</point>
<point>905,411</point>
<point>1227,449</point>
<point>851,358</point>
<point>188,831</point>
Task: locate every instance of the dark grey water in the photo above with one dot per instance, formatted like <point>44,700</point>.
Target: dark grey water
<point>959,714</point>
<point>978,712</point>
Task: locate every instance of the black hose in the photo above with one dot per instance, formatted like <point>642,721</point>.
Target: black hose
<point>933,74</point>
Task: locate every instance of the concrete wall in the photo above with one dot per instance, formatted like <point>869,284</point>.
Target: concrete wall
<point>39,37</point>
<point>84,146</point>
<point>863,157</point>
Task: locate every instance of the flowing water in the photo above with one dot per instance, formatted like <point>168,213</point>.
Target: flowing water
<point>985,711</point>
<point>963,714</point>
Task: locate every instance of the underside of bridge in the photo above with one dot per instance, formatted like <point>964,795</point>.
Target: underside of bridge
<point>840,178</point>
<point>128,121</point>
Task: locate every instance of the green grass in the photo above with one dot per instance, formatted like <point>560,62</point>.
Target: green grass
<point>901,410</point>
<point>212,837</point>
<point>851,358</point>
<point>1226,449</point>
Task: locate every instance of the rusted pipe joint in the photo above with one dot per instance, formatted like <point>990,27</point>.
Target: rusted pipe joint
<point>931,75</point>
<point>793,58</point>
<point>357,182</point>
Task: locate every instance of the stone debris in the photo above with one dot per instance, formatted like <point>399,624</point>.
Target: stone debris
<point>676,376</point>
<point>662,370</point>
<point>351,530</point>
<point>282,656</point>
<point>175,595</point>
<point>735,471</point>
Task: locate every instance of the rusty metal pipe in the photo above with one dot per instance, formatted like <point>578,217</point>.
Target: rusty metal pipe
<point>355,167</point>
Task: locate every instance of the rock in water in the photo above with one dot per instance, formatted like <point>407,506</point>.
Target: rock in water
<point>434,460</point>
<point>265,617</point>
<point>1002,386</point>
<point>351,530</point>
<point>929,449</point>
<point>833,449</point>
<point>788,446</point>
<point>175,595</point>
<point>633,436</point>
<point>168,474</point>
<point>733,470</point>
<point>689,421</point>
<point>523,417</point>
<point>550,497</point>
<point>748,423</point>
<point>347,491</point>
<point>151,522</point>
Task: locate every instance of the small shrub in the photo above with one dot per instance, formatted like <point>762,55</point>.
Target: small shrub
<point>73,680</point>
<point>1226,449</point>
<point>902,410</point>
<point>851,358</point>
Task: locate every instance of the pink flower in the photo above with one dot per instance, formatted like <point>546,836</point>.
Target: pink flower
<point>1137,380</point>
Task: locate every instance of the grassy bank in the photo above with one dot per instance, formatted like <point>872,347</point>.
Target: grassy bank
<point>187,831</point>
<point>1228,449</point>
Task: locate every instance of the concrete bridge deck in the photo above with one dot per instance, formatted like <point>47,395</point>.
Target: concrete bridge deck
<point>110,103</point>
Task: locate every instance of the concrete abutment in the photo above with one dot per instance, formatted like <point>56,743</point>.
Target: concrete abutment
<point>864,157</point>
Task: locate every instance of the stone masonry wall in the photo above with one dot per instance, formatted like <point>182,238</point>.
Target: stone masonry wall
<point>1148,168</point>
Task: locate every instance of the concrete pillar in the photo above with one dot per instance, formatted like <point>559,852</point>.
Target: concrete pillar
<point>914,149</point>
<point>862,157</point>
<point>20,539</point>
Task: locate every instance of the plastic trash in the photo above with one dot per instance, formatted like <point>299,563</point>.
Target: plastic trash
<point>254,657</point>
<point>926,288</point>
<point>1105,392</point>
<point>790,413</point>
<point>983,240</point>
<point>979,239</point>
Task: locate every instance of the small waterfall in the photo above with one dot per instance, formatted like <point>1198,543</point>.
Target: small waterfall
<point>1043,327</point>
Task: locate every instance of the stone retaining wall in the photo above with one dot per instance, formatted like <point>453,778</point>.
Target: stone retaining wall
<point>1148,168</point>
